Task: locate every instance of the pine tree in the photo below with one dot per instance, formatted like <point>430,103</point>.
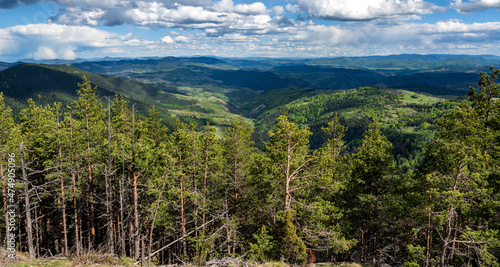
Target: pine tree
<point>186,153</point>
<point>321,215</point>
<point>90,129</point>
<point>372,168</point>
<point>121,149</point>
<point>289,150</point>
<point>238,153</point>
<point>459,167</point>
<point>37,148</point>
<point>6,141</point>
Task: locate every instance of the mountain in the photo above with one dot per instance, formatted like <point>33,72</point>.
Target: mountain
<point>5,65</point>
<point>403,115</point>
<point>47,84</point>
<point>409,61</point>
<point>115,67</point>
<point>432,74</point>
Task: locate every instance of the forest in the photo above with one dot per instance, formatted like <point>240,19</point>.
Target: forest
<point>96,176</point>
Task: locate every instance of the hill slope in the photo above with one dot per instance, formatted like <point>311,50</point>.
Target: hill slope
<point>407,118</point>
<point>47,84</point>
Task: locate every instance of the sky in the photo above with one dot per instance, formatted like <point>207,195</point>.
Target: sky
<point>69,29</point>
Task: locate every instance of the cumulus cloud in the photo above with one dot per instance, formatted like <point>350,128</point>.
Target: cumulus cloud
<point>167,39</point>
<point>43,41</point>
<point>279,10</point>
<point>475,5</point>
<point>265,30</point>
<point>248,9</point>
<point>175,3</point>
<point>223,15</point>
<point>365,10</point>
<point>404,35</point>
<point>292,8</point>
<point>181,39</point>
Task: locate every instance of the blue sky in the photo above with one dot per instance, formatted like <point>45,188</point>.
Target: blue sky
<point>68,29</point>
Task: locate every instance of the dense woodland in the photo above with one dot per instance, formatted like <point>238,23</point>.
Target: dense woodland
<point>98,176</point>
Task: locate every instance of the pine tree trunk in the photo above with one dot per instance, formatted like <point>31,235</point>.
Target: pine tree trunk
<point>73,182</point>
<point>122,223</point>
<point>38,239</point>
<point>27,205</point>
<point>228,229</point>
<point>137,240</point>
<point>183,220</point>
<point>91,186</point>
<point>62,198</point>
<point>287,177</point>
<point>235,178</point>
<point>428,247</point>
<point>109,206</point>
<point>196,202</point>
<point>136,218</point>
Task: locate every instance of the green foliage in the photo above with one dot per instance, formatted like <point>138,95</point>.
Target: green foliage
<point>289,151</point>
<point>264,247</point>
<point>399,115</point>
<point>292,249</point>
<point>457,167</point>
<point>372,173</point>
<point>202,249</point>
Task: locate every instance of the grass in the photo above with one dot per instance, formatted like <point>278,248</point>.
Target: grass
<point>416,98</point>
<point>44,263</point>
<point>129,262</point>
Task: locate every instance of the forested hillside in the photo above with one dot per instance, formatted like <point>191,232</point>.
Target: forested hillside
<point>98,176</point>
<point>56,83</point>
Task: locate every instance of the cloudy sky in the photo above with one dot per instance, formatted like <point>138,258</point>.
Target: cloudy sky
<point>69,29</point>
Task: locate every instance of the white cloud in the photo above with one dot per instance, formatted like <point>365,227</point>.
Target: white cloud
<point>279,10</point>
<point>55,41</point>
<point>427,38</point>
<point>364,10</point>
<point>222,26</point>
<point>167,39</point>
<point>44,53</point>
<point>77,16</point>
<point>181,39</point>
<point>247,9</point>
<point>292,8</point>
<point>194,14</point>
<point>475,5</point>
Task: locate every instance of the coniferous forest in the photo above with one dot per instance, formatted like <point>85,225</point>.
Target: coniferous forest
<point>96,176</point>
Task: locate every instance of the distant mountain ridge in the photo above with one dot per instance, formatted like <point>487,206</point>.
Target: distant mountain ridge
<point>359,61</point>
<point>433,74</point>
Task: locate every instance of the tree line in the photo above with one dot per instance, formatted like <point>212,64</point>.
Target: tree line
<point>96,176</point>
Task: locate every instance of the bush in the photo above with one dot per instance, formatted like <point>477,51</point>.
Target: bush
<point>292,249</point>
<point>264,247</point>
